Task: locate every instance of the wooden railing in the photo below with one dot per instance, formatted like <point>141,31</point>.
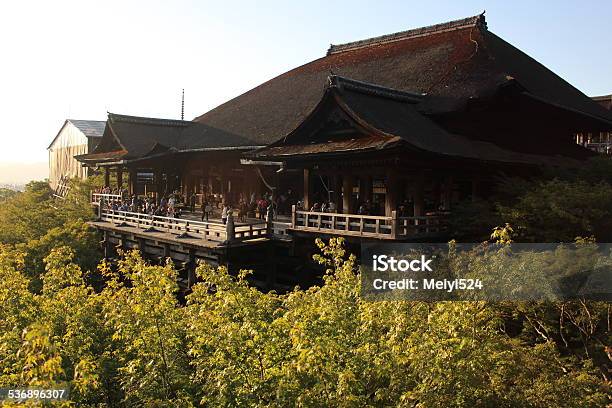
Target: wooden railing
<point>183,228</point>
<point>421,226</point>
<point>97,197</point>
<point>280,230</point>
<point>370,226</point>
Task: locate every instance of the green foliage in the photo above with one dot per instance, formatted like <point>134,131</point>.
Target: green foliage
<point>559,211</point>
<point>558,206</point>
<point>232,345</point>
<point>32,213</point>
<point>128,342</point>
<point>471,220</point>
<point>6,193</point>
<point>34,222</point>
<point>76,235</point>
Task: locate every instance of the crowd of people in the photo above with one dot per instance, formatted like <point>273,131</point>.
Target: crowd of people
<point>211,206</point>
<point>218,206</point>
<point>366,207</point>
<point>167,206</point>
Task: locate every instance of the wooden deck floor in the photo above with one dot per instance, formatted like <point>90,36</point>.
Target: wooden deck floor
<point>171,238</point>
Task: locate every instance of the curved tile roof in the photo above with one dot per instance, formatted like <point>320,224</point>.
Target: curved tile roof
<point>454,61</point>
<point>389,118</point>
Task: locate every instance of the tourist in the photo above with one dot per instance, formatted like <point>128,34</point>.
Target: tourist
<point>192,202</point>
<point>224,213</point>
<point>242,211</point>
<point>208,209</point>
<point>203,209</point>
<point>262,205</point>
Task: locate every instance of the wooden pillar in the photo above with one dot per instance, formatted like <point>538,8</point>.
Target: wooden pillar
<point>106,177</point>
<point>191,267</point>
<point>419,195</point>
<point>158,184</point>
<point>337,186</point>
<point>391,185</point>
<point>120,176</point>
<point>307,197</point>
<point>210,184</point>
<point>223,187</point>
<point>366,194</point>
<point>107,245</point>
<point>188,186</point>
<point>202,187</point>
<point>347,193</point>
<point>132,186</point>
<point>169,186</point>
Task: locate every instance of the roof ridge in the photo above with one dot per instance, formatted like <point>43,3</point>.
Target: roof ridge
<point>474,21</point>
<point>340,82</point>
<point>116,117</point>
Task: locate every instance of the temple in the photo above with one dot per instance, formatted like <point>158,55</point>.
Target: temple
<point>377,140</point>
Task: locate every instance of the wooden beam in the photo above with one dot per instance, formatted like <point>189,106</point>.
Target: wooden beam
<point>391,185</point>
<point>106,177</point>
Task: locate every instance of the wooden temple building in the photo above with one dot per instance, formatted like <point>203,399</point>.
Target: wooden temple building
<point>392,130</point>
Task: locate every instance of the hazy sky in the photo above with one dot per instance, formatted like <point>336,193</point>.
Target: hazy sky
<point>64,59</point>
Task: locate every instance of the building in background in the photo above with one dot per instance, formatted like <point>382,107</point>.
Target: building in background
<point>600,142</point>
<point>75,137</point>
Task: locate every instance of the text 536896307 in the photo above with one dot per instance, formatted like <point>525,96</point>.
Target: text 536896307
<point>33,393</point>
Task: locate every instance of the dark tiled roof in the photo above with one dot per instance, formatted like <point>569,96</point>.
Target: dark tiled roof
<point>402,35</point>
<point>454,61</point>
<point>140,137</point>
<point>390,118</point>
<point>101,157</point>
<point>90,128</point>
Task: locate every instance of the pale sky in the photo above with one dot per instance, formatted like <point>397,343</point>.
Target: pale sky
<point>80,59</point>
